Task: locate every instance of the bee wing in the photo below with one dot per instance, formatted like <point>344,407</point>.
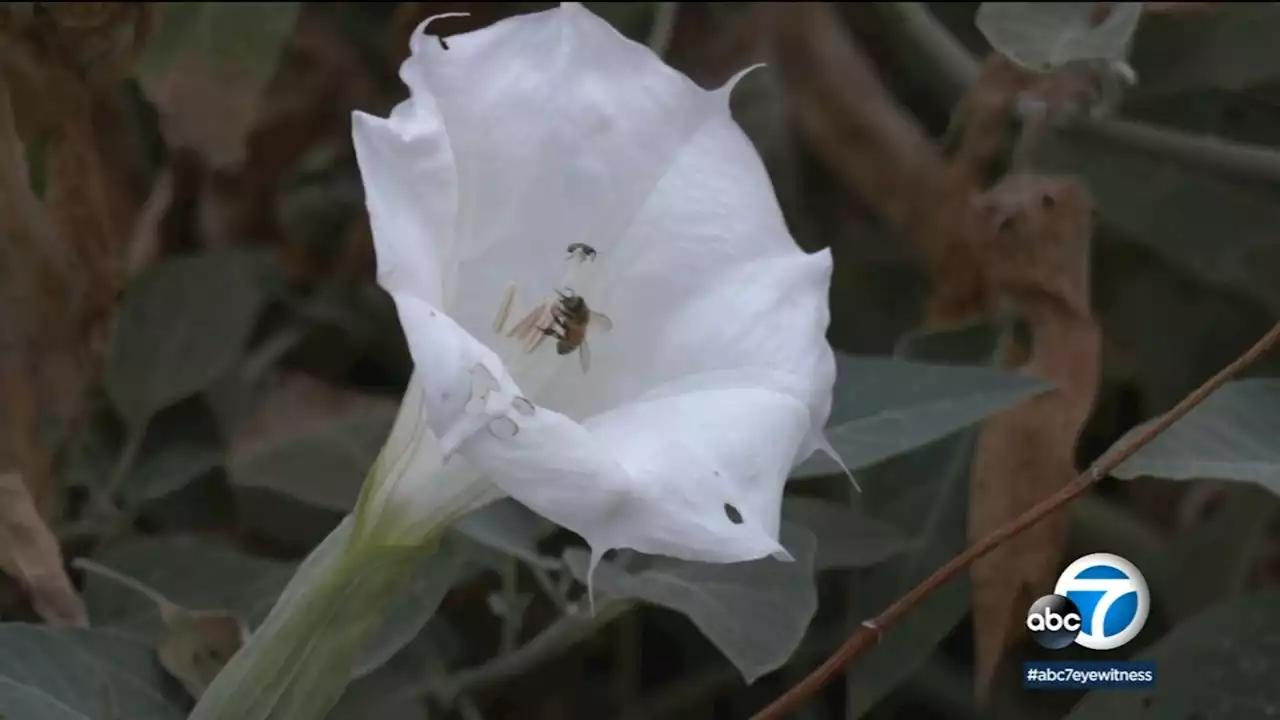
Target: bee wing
<point>584,356</point>
<point>535,341</point>
<point>529,324</point>
<point>601,321</point>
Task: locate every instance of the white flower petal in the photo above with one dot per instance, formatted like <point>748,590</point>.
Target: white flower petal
<point>411,192</point>
<point>411,490</point>
<point>716,376</point>
<point>560,127</point>
<point>760,322</point>
<point>607,485</point>
<point>706,279</point>
<point>600,485</point>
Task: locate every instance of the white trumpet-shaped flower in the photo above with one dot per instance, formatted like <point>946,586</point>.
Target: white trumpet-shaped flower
<point>545,171</point>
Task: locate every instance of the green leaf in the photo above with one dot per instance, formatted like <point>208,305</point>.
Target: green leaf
<point>179,328</point>
<point>62,674</point>
<point>1230,436</point>
<point>1171,209</point>
<point>887,406</point>
<point>926,493</point>
<point>755,612</point>
<point>1220,665</point>
<point>1231,46</point>
<point>200,574</point>
<point>933,501</point>
<point>205,72</point>
<point>167,469</point>
<point>511,529</point>
<point>1044,36</point>
<point>846,536</point>
<point>312,442</point>
<point>194,572</point>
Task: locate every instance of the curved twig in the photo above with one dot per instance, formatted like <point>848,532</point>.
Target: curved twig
<point>955,69</point>
<point>871,630</point>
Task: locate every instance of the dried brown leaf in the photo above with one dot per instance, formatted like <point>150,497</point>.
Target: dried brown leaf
<point>883,155</point>
<point>32,273</point>
<point>1037,261</point>
<point>207,75</point>
<point>60,266</point>
<point>30,553</point>
<point>196,644</point>
<point>856,127</point>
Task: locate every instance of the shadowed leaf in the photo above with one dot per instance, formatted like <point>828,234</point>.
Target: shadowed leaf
<point>180,326</point>
<point>50,674</point>
<point>887,406</point>
<point>846,537</point>
<point>312,441</point>
<point>1220,665</point>
<point>755,612</point>
<point>1230,436</point>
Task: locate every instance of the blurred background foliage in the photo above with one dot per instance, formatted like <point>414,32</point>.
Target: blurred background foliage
<point>196,369</point>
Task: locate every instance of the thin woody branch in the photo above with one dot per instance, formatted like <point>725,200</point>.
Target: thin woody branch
<point>870,631</point>
<point>955,69</point>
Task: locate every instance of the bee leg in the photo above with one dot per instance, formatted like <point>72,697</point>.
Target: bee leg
<point>543,334</point>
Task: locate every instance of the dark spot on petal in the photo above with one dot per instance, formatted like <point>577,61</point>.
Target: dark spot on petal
<point>443,45</point>
<point>716,473</point>
<point>732,513</point>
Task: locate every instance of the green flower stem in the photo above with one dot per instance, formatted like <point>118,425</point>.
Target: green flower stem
<point>298,662</point>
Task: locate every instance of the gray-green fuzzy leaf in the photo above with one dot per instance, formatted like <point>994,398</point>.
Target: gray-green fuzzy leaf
<point>846,537</point>
<point>179,328</point>
<point>194,572</point>
<point>886,406</point>
<point>63,674</point>
<point>755,612</point>
<point>1047,35</point>
<point>1220,665</point>
<point>1230,436</point>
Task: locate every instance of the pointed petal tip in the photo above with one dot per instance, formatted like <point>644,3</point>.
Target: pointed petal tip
<point>420,35</point>
<point>825,446</point>
<point>726,89</point>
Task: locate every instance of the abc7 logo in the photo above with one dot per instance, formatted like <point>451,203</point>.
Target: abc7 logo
<point>1115,598</point>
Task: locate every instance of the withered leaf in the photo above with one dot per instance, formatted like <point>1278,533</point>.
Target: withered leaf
<point>199,644</point>
<point>29,552</point>
<point>196,644</point>
<point>206,68</point>
<point>1037,261</point>
<point>311,441</point>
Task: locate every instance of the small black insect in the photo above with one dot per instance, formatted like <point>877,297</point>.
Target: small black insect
<point>586,250</point>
